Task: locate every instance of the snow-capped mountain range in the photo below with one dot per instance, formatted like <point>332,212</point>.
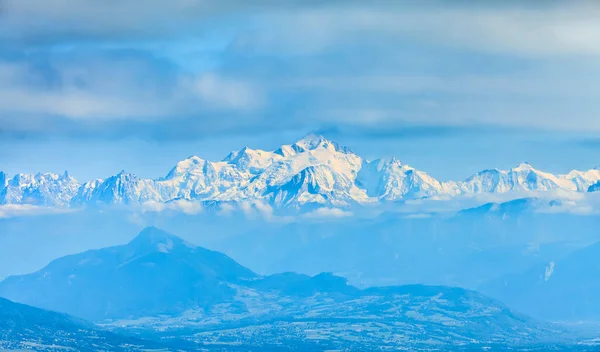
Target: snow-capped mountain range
<point>313,171</point>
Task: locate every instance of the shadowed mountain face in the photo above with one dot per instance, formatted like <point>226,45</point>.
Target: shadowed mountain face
<point>160,283</point>
<point>27,328</point>
<point>564,289</point>
<point>154,273</point>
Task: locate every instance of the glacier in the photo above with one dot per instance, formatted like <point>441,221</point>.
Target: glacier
<point>312,172</point>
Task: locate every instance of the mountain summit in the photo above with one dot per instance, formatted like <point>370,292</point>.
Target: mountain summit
<point>154,273</point>
<point>313,171</point>
<point>160,282</point>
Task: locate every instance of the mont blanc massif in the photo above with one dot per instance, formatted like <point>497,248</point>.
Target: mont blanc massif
<point>503,270</point>
<point>313,172</point>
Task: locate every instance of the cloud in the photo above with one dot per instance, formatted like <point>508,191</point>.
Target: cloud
<point>53,21</point>
<point>538,29</point>
<point>294,65</point>
<point>86,87</point>
<point>63,21</point>
<point>20,210</point>
<point>181,205</point>
<point>228,93</point>
<point>327,213</point>
<point>531,30</point>
<point>257,210</point>
<point>114,92</point>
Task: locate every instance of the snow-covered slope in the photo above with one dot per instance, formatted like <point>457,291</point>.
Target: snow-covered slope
<point>313,171</point>
<point>122,188</point>
<point>595,187</point>
<point>525,178</point>
<point>317,185</point>
<point>38,189</point>
<point>389,179</point>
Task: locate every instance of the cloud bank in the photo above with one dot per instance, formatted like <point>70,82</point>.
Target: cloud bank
<point>188,69</point>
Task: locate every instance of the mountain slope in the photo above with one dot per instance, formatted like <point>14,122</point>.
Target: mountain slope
<point>122,188</point>
<point>275,177</point>
<point>317,185</point>
<point>346,318</point>
<point>391,180</point>
<point>27,328</point>
<point>525,178</point>
<point>39,189</point>
<point>154,273</point>
<point>161,283</point>
<point>561,289</point>
<point>513,207</point>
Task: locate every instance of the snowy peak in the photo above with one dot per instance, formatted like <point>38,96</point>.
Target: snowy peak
<point>252,160</point>
<point>311,142</point>
<point>122,188</point>
<point>317,184</point>
<point>313,179</point>
<point>583,180</point>
<point>523,167</point>
<point>389,179</point>
<point>38,189</point>
<point>525,178</point>
<point>185,166</point>
<point>313,170</point>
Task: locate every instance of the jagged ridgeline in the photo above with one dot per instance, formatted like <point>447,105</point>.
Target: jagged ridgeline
<point>162,287</point>
<point>312,171</point>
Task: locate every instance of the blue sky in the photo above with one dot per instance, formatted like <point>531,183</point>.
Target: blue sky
<point>450,89</point>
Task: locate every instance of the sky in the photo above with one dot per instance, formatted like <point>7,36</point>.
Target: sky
<point>450,88</point>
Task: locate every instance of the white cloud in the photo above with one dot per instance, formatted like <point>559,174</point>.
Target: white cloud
<point>228,93</point>
<point>181,205</point>
<point>92,88</point>
<point>26,21</point>
<point>101,89</point>
<point>32,20</point>
<point>257,210</point>
<point>541,30</point>
<point>274,77</point>
<point>327,213</point>
<point>19,210</point>
<point>567,28</point>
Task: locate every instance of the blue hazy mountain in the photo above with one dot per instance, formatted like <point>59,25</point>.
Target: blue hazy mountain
<point>513,208</point>
<point>154,273</point>
<point>562,289</point>
<point>24,327</point>
<point>510,208</point>
<point>161,285</point>
<point>393,250</point>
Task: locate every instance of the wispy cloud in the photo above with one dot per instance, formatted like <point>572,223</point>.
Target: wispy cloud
<point>228,93</point>
<point>116,93</point>
<point>295,65</point>
<point>512,28</point>
<point>21,210</point>
<point>327,214</point>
